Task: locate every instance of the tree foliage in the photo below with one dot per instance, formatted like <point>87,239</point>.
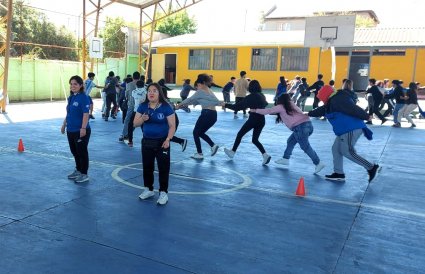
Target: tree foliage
<point>32,26</point>
<point>177,24</point>
<point>113,37</point>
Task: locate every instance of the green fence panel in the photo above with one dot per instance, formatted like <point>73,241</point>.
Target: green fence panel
<point>38,79</point>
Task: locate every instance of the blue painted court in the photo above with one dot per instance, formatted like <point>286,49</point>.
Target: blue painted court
<point>223,216</point>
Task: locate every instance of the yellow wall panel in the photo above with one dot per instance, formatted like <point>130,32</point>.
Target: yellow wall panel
<point>393,67</point>
<point>420,67</point>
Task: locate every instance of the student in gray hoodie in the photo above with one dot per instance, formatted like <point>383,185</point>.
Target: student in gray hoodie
<point>208,101</point>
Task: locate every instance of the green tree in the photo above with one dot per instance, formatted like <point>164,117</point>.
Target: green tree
<point>32,26</point>
<point>177,24</point>
<point>113,37</point>
<point>364,22</point>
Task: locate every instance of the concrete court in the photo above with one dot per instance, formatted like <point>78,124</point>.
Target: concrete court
<point>223,216</point>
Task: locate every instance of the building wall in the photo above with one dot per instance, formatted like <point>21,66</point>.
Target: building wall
<point>392,67</point>
<point>342,67</point>
<point>420,67</point>
<point>268,79</point>
<point>275,24</point>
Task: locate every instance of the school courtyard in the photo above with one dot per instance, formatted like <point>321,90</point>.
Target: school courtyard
<point>223,216</point>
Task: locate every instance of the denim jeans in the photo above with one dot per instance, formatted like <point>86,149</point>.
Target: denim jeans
<point>128,117</point>
<point>395,112</point>
<point>300,135</point>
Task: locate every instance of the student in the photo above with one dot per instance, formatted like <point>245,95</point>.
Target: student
<point>138,96</point>
<point>158,120</point>
<point>304,93</point>
<point>315,88</point>
<point>281,88</point>
<point>184,93</point>
<point>375,101</point>
<point>122,100</point>
<point>130,105</point>
<point>161,83</point>
<point>294,86</point>
<point>206,98</point>
<point>347,120</point>
<point>111,97</point>
<point>411,103</point>
<point>175,139</point>
<point>212,84</point>
<point>300,125</point>
<point>241,87</point>
<point>255,122</point>
<point>77,128</point>
<point>227,89</point>
<point>396,95</point>
<point>89,84</point>
<point>111,75</point>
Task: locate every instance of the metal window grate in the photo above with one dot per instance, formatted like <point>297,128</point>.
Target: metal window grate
<point>199,59</point>
<point>225,59</point>
<point>264,59</point>
<point>295,59</point>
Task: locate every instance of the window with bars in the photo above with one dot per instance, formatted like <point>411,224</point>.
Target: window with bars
<point>264,59</point>
<point>199,59</point>
<point>295,59</point>
<point>225,59</point>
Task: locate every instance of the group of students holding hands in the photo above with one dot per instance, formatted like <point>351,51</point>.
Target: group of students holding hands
<point>156,115</point>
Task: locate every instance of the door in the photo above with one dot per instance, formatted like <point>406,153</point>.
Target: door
<point>170,68</point>
<point>359,72</point>
<point>158,64</point>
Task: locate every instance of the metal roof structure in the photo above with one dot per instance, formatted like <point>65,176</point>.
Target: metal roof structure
<point>390,37</point>
<point>363,37</point>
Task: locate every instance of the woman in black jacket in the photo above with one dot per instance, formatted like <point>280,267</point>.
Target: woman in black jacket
<point>255,100</point>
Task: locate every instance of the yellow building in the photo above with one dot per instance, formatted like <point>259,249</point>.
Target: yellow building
<point>393,53</point>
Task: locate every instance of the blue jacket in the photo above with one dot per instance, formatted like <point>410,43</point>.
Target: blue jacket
<point>343,114</point>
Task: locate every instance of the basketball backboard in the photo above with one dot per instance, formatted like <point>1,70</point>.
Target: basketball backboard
<point>325,31</point>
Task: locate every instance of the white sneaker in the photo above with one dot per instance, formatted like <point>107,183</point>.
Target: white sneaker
<point>282,161</point>
<point>319,167</point>
<point>184,144</point>
<point>214,149</point>
<point>230,153</point>
<point>235,116</point>
<point>197,156</point>
<point>266,159</point>
<point>146,194</point>
<point>163,198</point>
<point>245,115</point>
<point>82,178</point>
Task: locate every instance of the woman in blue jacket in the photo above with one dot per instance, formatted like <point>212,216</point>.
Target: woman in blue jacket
<point>347,120</point>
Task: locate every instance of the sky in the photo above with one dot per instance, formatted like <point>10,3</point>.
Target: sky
<point>220,16</point>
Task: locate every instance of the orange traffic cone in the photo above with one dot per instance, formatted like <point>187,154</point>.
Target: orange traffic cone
<point>300,189</point>
<point>21,146</point>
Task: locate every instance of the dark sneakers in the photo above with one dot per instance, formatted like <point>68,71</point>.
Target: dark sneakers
<point>372,172</point>
<point>335,177</point>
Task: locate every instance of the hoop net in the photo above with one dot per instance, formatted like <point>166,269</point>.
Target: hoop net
<point>327,43</point>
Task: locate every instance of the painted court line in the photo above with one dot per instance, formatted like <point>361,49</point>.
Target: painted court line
<point>247,184</point>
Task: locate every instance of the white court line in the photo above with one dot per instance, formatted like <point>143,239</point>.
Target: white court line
<point>249,186</point>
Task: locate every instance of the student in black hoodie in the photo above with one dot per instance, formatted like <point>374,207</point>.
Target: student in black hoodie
<point>315,88</point>
<point>255,100</point>
<point>377,99</point>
